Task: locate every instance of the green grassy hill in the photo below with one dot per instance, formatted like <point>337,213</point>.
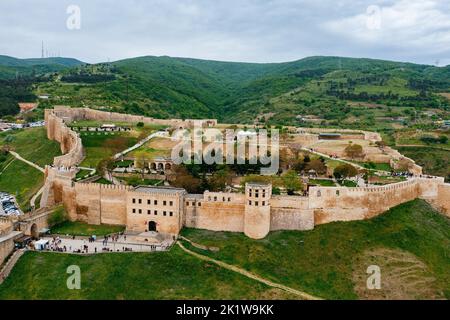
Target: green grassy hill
<point>130,276</point>
<point>331,260</point>
<point>11,67</point>
<point>410,243</point>
<point>242,92</point>
<point>17,177</point>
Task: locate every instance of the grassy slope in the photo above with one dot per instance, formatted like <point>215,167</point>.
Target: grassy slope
<point>101,146</point>
<point>78,228</point>
<point>32,144</point>
<point>129,276</point>
<point>320,261</point>
<point>434,161</point>
<point>21,180</point>
<point>10,66</point>
<point>182,87</point>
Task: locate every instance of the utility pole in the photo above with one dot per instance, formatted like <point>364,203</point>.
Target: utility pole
<point>42,52</point>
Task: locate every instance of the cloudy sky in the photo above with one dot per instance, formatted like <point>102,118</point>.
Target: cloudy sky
<point>231,30</point>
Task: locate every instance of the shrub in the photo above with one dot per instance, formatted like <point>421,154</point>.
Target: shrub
<point>58,216</point>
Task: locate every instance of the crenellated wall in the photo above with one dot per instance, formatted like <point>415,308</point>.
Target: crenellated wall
<point>75,114</point>
<point>89,202</point>
<point>215,211</point>
<point>256,212</point>
<point>291,213</point>
<point>69,140</point>
<point>346,204</point>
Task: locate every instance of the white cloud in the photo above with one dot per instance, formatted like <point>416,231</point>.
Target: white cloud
<point>236,30</point>
<point>405,24</point>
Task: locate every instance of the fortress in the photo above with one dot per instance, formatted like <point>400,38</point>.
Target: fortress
<point>167,210</point>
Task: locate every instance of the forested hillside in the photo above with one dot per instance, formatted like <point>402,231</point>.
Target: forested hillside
<point>331,89</point>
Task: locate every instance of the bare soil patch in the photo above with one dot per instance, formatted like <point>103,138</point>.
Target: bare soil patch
<point>403,276</point>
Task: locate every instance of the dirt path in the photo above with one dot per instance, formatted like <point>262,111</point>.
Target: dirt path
<point>18,157</point>
<point>328,157</point>
<point>140,143</point>
<point>250,275</point>
<point>33,199</point>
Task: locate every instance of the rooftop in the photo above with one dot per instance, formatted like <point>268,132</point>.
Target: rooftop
<point>159,189</point>
<point>257,185</point>
<point>330,134</point>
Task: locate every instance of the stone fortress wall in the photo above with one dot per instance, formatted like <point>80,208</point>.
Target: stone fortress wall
<point>70,142</point>
<point>310,136</point>
<point>255,212</point>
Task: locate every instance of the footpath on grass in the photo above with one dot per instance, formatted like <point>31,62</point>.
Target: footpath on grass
<point>34,165</point>
<point>301,294</point>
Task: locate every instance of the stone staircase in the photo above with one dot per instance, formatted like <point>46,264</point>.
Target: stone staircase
<point>9,265</point>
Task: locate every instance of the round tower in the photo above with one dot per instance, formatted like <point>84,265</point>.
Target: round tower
<point>257,210</point>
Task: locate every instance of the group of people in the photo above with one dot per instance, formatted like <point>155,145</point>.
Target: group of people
<point>113,238</point>
<point>402,174</point>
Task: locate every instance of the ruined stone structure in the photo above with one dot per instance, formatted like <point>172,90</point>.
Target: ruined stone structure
<point>255,212</point>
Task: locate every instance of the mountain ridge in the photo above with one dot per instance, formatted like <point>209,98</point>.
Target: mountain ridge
<point>163,86</point>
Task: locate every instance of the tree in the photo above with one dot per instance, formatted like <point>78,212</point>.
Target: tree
<point>443,139</point>
<point>140,162</point>
<point>317,165</point>
<point>381,144</point>
<point>345,171</point>
<point>220,179</point>
<point>404,164</point>
<point>181,178</point>
<point>354,151</point>
<point>287,158</point>
<point>105,167</point>
<point>291,182</point>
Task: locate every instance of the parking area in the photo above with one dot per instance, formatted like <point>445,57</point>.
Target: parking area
<point>8,205</point>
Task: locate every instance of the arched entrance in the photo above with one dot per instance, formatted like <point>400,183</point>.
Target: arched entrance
<point>151,226</point>
<point>34,231</point>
